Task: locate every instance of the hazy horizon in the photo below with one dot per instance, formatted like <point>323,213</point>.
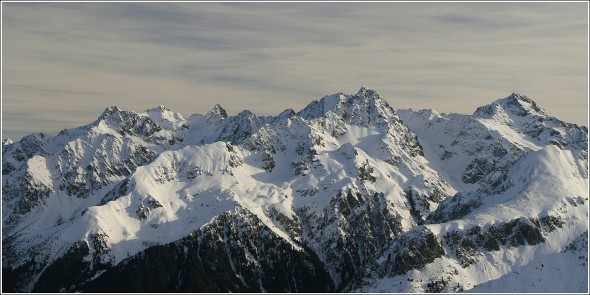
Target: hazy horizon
<point>64,63</point>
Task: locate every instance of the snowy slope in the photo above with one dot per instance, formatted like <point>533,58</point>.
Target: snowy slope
<point>387,200</point>
<point>566,271</point>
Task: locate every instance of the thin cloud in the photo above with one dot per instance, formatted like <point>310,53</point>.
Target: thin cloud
<point>267,57</point>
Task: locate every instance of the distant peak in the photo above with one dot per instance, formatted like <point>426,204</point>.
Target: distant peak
<point>159,109</point>
<point>112,109</point>
<point>217,111</point>
<point>520,98</point>
<point>166,118</point>
<point>515,103</point>
<point>521,104</point>
<point>365,91</point>
<point>287,113</point>
<point>517,96</point>
<point>362,109</point>
<point>34,137</point>
<point>6,141</point>
<point>367,94</point>
<point>246,113</point>
<point>319,108</point>
<point>108,112</point>
<point>428,113</point>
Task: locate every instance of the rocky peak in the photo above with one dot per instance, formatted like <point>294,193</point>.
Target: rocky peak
<point>217,112</point>
<point>159,109</point>
<point>288,113</point>
<point>246,118</point>
<point>240,126</point>
<point>6,142</point>
<point>166,118</point>
<point>245,114</point>
<point>319,108</point>
<point>127,122</point>
<point>343,203</point>
<point>522,105</point>
<point>366,97</point>
<point>112,113</point>
<point>365,108</point>
<point>109,111</point>
<point>515,104</point>
<point>33,144</point>
<point>367,93</point>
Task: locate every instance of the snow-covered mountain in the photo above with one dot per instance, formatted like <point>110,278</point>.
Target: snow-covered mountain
<point>345,195</point>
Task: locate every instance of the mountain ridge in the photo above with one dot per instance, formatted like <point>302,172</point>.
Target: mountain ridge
<point>348,180</point>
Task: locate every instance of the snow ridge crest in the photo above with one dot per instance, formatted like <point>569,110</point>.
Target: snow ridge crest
<point>370,202</point>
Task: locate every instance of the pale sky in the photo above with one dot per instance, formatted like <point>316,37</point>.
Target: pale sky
<point>64,63</point>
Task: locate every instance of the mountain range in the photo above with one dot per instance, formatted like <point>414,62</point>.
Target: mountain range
<point>345,195</point>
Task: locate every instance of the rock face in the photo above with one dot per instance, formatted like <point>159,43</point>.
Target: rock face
<point>236,252</point>
<point>346,195</point>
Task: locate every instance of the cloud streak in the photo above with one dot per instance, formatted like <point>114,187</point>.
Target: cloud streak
<point>266,57</point>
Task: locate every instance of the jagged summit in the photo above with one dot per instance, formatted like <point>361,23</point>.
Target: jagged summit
<point>6,141</point>
<point>334,102</point>
<point>367,97</point>
<point>217,112</point>
<point>112,113</point>
<point>428,114</point>
<point>367,92</point>
<point>166,118</point>
<point>288,113</point>
<point>364,108</point>
<point>340,196</point>
<point>158,109</point>
<point>246,114</point>
<point>525,117</point>
<point>108,112</point>
<point>319,108</point>
<point>521,105</point>
<point>515,104</point>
